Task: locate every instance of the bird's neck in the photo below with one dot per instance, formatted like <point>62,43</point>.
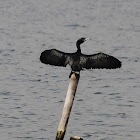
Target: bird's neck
<point>78,48</point>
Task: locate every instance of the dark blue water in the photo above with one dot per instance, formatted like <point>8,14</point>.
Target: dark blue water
<point>32,95</point>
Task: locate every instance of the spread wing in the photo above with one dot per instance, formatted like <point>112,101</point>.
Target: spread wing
<point>55,57</point>
<point>100,61</point>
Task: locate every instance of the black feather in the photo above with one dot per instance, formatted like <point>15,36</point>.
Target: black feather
<point>54,57</point>
<point>78,61</point>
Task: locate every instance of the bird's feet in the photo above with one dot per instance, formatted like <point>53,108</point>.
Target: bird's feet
<point>77,73</point>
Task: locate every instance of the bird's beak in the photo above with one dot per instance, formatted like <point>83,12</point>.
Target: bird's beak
<point>86,39</point>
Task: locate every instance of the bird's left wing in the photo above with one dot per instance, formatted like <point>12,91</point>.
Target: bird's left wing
<point>55,57</point>
<point>100,61</point>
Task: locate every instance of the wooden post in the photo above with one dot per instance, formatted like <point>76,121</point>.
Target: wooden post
<point>76,138</point>
<point>67,106</point>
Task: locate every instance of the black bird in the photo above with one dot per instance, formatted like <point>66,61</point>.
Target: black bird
<point>79,61</point>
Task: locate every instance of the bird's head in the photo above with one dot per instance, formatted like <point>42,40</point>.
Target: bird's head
<point>81,40</point>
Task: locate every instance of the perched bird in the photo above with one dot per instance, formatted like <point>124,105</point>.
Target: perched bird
<point>79,61</point>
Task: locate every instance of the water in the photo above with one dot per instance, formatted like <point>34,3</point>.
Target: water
<point>32,95</point>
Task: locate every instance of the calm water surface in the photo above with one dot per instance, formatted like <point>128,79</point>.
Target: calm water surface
<point>107,103</point>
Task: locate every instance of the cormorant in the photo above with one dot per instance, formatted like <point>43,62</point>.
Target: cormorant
<point>79,61</point>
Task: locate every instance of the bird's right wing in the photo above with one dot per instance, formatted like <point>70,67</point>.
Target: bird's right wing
<point>100,61</point>
<point>55,57</point>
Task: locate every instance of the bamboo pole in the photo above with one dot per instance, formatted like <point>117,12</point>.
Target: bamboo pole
<point>67,106</point>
